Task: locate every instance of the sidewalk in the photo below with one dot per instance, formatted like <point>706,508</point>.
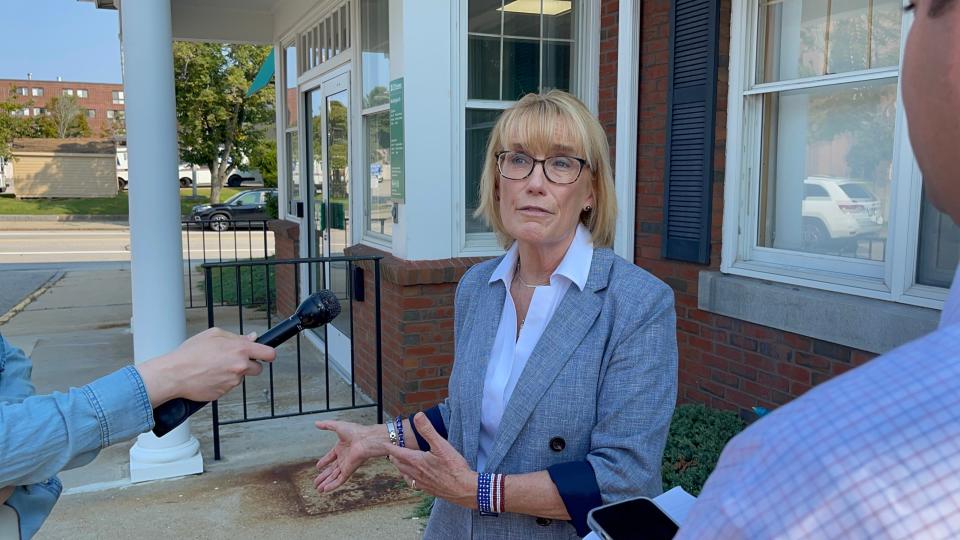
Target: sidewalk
<point>79,330</point>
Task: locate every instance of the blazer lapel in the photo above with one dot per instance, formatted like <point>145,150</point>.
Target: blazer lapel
<point>483,333</point>
<point>570,323</point>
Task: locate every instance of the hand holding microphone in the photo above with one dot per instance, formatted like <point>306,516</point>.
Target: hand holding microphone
<point>191,366</point>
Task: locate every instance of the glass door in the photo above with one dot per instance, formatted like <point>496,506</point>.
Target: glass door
<point>330,229</point>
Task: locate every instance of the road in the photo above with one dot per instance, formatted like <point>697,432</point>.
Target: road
<point>71,246</point>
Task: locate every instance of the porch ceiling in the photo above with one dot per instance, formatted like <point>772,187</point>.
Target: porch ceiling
<point>234,21</point>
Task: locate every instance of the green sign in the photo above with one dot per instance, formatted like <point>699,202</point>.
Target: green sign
<point>397,150</point>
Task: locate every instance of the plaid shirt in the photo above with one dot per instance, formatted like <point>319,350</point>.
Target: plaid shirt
<point>874,453</point>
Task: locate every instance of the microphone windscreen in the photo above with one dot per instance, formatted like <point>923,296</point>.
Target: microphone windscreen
<point>318,309</point>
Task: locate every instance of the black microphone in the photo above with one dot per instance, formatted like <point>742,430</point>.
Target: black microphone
<point>317,310</point>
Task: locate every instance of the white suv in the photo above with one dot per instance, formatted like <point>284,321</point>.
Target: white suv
<point>838,209</point>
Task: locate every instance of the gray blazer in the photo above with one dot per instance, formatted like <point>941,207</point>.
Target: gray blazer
<point>603,378</point>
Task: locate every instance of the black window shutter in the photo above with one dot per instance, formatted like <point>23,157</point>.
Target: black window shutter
<point>691,118</point>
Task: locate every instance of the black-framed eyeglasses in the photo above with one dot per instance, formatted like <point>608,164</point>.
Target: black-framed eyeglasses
<point>557,169</point>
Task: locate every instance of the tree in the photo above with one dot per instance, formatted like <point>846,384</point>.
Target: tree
<point>264,159</point>
<point>218,125</point>
<point>66,118</point>
<point>12,125</point>
<point>116,129</point>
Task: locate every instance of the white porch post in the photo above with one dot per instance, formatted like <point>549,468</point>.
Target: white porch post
<point>156,252</point>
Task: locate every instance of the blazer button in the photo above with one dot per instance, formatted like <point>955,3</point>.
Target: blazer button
<point>557,444</point>
<point>543,522</point>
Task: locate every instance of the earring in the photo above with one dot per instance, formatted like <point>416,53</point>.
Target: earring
<point>587,208</point>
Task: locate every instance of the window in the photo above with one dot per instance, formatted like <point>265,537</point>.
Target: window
<point>326,40</point>
<point>91,113</point>
<point>823,143</point>
<point>111,114</point>
<point>68,91</point>
<point>37,92</point>
<point>514,47</point>
<point>375,65</point>
<point>117,97</point>
<point>22,91</point>
<point>251,198</point>
<point>291,100</point>
<point>26,111</point>
<point>83,94</point>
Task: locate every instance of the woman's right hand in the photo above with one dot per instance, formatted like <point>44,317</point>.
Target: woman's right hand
<point>356,445</point>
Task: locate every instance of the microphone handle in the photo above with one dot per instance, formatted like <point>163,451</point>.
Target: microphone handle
<point>171,414</point>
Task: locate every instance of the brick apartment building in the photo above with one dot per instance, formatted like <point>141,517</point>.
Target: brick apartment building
<point>102,103</point>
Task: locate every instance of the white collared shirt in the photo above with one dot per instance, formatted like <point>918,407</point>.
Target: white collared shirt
<point>951,308</point>
<point>511,351</point>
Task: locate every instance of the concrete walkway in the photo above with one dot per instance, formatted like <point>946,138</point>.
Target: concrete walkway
<point>79,329</point>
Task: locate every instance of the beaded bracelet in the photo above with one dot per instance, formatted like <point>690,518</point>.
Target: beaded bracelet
<point>399,424</point>
<point>490,494</point>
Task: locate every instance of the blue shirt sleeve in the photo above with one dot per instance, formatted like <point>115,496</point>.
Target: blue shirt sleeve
<point>42,435</point>
<point>577,484</point>
<point>436,415</point>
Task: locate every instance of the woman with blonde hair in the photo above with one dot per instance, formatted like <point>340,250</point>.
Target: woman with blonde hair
<point>565,367</point>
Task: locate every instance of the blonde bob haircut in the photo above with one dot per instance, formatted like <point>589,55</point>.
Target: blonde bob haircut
<point>536,123</point>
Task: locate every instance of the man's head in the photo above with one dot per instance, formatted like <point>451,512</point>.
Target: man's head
<point>931,97</point>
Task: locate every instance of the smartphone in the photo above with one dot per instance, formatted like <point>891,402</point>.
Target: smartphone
<point>632,519</point>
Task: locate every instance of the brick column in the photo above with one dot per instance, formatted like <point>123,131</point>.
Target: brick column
<point>417,329</point>
<point>286,237</point>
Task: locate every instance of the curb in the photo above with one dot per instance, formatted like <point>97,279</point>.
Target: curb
<point>65,218</point>
<point>31,297</point>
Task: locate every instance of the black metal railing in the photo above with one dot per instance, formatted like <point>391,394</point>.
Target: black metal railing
<point>209,240</point>
<point>282,279</point>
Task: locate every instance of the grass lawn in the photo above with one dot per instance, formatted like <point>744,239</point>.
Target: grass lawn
<point>253,286</point>
<point>110,206</point>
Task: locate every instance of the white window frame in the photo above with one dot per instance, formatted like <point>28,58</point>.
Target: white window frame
<point>281,100</point>
<point>36,91</point>
<point>368,236</point>
<point>83,93</point>
<point>584,83</point>
<point>893,279</point>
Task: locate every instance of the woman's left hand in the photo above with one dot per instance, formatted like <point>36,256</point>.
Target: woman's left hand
<point>441,472</point>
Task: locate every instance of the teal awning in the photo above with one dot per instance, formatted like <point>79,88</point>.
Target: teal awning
<point>263,76</point>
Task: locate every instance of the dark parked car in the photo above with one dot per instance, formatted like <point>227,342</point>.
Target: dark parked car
<point>246,205</point>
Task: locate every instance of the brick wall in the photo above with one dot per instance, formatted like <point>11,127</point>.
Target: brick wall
<point>609,13</point>
<point>286,236</point>
<point>416,329</point>
<point>724,363</point>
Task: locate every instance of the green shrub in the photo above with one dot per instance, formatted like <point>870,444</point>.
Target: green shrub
<point>253,286</point>
<point>697,436</point>
<point>273,210</point>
